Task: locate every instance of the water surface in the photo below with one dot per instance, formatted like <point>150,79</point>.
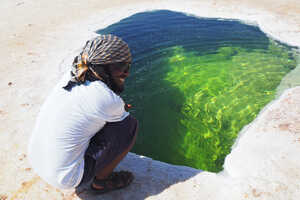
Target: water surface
<point>195,82</point>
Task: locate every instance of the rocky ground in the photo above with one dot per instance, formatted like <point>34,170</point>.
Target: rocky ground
<point>38,37</point>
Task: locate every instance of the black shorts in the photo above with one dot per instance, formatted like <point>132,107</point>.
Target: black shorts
<point>113,139</point>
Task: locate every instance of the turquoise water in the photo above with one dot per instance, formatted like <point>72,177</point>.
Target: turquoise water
<point>195,82</point>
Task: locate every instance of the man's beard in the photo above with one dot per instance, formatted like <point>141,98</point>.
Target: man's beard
<point>108,80</point>
<point>118,89</point>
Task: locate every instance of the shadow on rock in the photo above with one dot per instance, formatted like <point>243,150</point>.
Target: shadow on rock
<point>151,178</point>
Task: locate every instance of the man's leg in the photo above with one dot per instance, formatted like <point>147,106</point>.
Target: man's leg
<point>106,171</point>
<point>118,135</point>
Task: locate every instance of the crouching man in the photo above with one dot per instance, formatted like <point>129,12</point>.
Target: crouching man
<point>83,130</point>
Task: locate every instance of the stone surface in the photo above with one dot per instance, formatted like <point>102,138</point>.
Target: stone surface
<point>37,37</point>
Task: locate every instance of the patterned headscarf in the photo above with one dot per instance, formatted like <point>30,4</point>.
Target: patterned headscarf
<point>102,50</point>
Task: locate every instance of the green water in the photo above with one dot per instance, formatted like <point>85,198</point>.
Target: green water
<point>222,93</point>
<point>196,82</point>
<point>193,106</point>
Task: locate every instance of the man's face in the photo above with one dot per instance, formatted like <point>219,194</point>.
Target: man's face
<point>119,72</point>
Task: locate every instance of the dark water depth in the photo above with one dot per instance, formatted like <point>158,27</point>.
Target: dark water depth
<point>195,82</point>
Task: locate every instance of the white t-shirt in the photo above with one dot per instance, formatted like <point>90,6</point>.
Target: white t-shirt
<point>66,123</point>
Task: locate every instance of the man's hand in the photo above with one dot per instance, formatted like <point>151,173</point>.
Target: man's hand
<point>127,106</point>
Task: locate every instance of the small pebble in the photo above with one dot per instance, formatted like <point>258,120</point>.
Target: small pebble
<point>3,197</point>
<point>28,169</point>
<point>22,157</point>
<point>20,3</point>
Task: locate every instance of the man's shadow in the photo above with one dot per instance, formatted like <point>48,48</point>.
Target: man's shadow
<point>151,178</point>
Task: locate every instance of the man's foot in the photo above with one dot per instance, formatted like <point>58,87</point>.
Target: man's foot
<point>116,180</point>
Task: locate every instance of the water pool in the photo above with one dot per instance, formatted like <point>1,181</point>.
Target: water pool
<point>195,82</point>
